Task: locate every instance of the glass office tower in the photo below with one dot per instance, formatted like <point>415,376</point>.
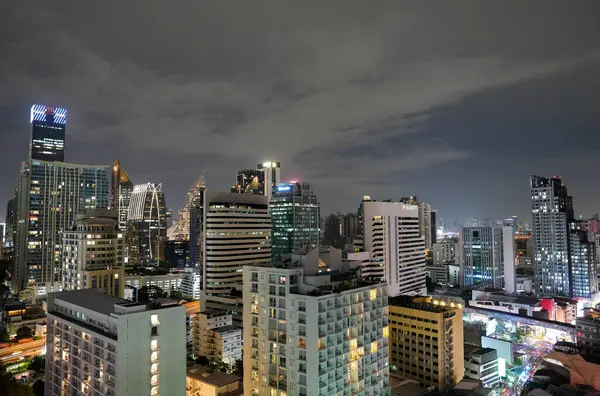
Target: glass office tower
<point>47,133</point>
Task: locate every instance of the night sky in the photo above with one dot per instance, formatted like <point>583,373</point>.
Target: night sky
<point>456,102</point>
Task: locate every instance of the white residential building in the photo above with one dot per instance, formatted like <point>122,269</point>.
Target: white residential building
<point>103,345</point>
<point>308,333</point>
<point>216,338</point>
<point>391,234</point>
<point>190,285</point>
<point>369,267</point>
<point>92,253</point>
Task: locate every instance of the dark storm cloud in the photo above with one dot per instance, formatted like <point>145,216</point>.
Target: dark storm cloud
<point>383,96</point>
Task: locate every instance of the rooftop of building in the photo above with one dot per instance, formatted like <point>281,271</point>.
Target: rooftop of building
<point>95,300</point>
<point>227,329</point>
<point>474,350</point>
<point>210,376</point>
<point>214,313</point>
<point>421,304</point>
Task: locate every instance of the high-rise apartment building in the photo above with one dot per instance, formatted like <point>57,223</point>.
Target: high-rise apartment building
<point>237,232</point>
<point>294,212</point>
<point>92,253</point>
<point>391,234</point>
<point>582,261</point>
<point>552,208</point>
<point>487,257</point>
<point>146,223</point>
<point>50,194</point>
<point>426,341</point>
<point>47,133</point>
<point>120,193</point>
<point>103,345</point>
<point>308,333</point>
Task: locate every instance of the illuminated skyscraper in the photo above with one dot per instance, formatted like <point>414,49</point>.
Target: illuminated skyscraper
<point>47,133</point>
<point>50,194</point>
<point>552,208</point>
<point>146,223</point>
<point>120,196</point>
<point>181,230</point>
<point>295,220</point>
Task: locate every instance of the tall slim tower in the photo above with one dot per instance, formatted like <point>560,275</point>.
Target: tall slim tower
<point>294,211</point>
<point>146,223</point>
<point>552,208</point>
<point>120,196</point>
<point>272,171</point>
<point>237,232</point>
<point>47,133</point>
<point>50,194</point>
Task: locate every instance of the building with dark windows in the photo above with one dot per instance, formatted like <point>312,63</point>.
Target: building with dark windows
<point>333,231</point>
<point>50,194</point>
<point>47,133</point>
<point>295,221</point>
<point>120,194</point>
<point>250,181</point>
<point>146,224</point>
<point>259,181</point>
<point>177,253</point>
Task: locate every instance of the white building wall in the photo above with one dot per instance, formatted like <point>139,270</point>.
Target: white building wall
<point>391,234</point>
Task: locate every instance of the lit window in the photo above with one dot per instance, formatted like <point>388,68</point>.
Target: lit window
<point>373,294</point>
<point>154,320</point>
<point>154,368</point>
<point>154,356</point>
<point>386,332</point>
<point>154,391</point>
<point>154,380</point>
<point>374,347</point>
<point>154,345</point>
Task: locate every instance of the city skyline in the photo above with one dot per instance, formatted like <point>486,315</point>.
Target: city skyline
<point>353,110</point>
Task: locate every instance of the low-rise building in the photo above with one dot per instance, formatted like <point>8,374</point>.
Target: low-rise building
<point>588,335</point>
<point>190,285</point>
<point>482,364</point>
<point>203,381</point>
<point>166,282</point>
<point>215,336</point>
<point>426,341</point>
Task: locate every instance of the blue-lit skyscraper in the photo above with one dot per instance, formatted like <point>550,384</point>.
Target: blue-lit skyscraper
<point>47,133</point>
<point>294,210</point>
